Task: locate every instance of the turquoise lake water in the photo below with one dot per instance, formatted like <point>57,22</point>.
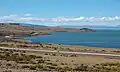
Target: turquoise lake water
<point>101,38</point>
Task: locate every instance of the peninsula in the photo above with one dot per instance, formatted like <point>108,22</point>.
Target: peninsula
<point>17,29</point>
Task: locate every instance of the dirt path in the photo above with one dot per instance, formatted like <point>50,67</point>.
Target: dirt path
<point>65,52</point>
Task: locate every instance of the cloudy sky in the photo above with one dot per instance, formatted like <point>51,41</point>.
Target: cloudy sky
<point>61,12</point>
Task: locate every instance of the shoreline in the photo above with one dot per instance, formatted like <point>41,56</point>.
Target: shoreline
<point>76,45</point>
<point>69,44</point>
<point>60,47</point>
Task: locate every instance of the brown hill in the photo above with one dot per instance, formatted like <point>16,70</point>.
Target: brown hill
<point>20,30</point>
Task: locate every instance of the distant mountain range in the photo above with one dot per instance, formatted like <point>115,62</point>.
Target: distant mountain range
<point>24,24</point>
<point>85,26</point>
<point>93,27</point>
<point>72,26</point>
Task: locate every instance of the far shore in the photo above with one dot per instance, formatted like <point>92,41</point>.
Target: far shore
<point>16,29</point>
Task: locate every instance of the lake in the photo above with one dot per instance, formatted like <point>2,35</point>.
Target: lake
<point>101,38</point>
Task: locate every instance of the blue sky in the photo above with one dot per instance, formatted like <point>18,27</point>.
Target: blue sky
<point>59,12</point>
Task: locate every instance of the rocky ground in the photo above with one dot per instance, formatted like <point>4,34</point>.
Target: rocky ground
<point>25,61</point>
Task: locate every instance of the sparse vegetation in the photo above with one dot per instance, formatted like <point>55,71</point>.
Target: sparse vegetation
<point>22,44</point>
<point>7,71</point>
<point>32,61</point>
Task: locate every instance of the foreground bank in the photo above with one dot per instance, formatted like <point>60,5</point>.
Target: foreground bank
<point>30,61</point>
<point>16,43</point>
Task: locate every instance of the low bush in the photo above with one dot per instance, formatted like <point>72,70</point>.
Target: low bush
<point>32,67</point>
<point>41,61</point>
<point>8,64</point>
<point>7,71</point>
<point>25,66</point>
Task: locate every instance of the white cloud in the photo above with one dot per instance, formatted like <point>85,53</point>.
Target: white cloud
<point>13,15</point>
<point>80,18</point>
<point>27,14</point>
<point>62,20</point>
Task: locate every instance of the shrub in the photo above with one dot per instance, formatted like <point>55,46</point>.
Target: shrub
<point>53,54</point>
<point>24,51</point>
<point>55,48</point>
<point>32,56</point>
<point>7,54</point>
<point>57,60</point>
<point>49,63</point>
<point>39,66</point>
<point>11,51</point>
<point>16,54</point>
<point>46,53</point>
<point>82,67</point>
<point>11,58</point>
<point>47,60</point>
<point>7,71</point>
<point>51,67</point>
<point>8,64</point>
<point>62,63</point>
<point>32,67</point>
<point>32,62</point>
<point>41,61</point>
<point>39,57</point>
<point>25,66</point>
<point>67,68</point>
<point>73,55</point>
<point>72,61</point>
<point>54,64</point>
